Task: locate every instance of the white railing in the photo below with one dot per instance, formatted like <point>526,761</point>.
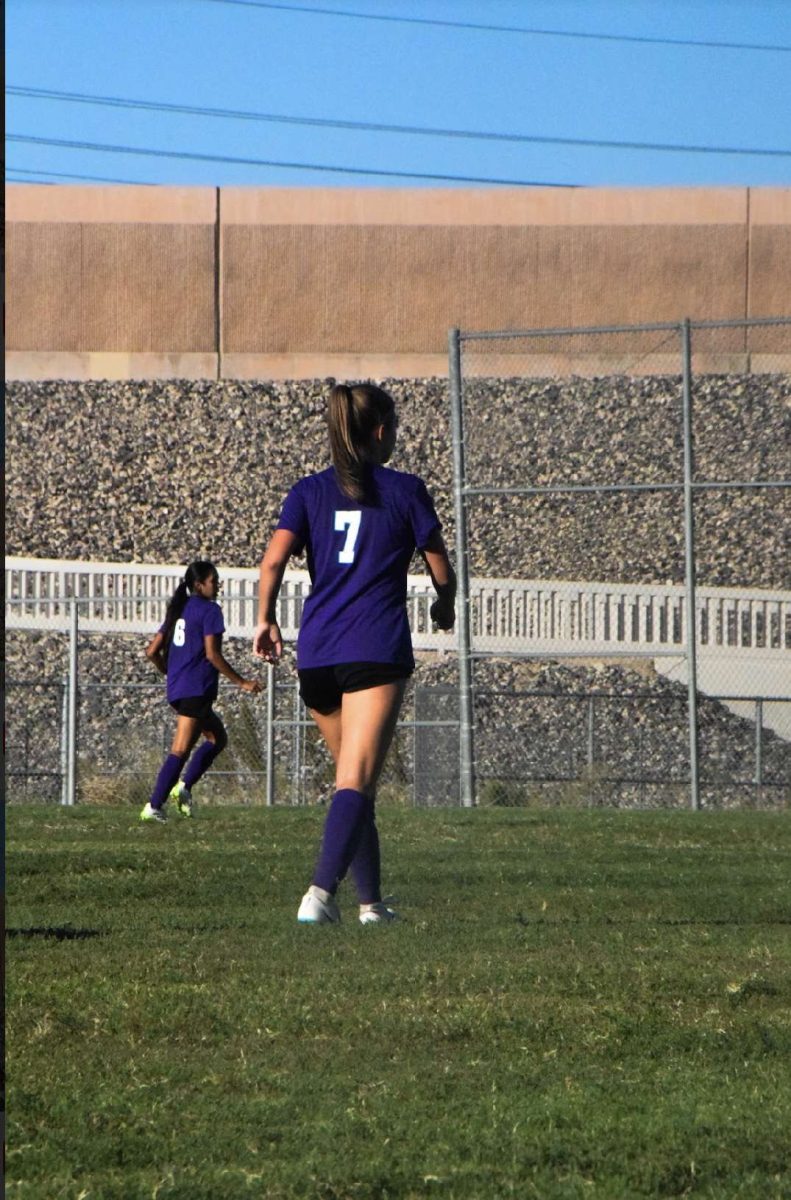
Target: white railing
<point>506,614</point>
<point>131,598</point>
<point>562,615</point>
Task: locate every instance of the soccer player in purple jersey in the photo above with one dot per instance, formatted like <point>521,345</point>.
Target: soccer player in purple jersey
<point>188,650</point>
<point>359,524</point>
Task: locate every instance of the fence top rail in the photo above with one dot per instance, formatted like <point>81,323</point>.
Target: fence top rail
<point>100,567</point>
<point>568,587</point>
<point>141,571</point>
<point>655,327</point>
<point>417,585</point>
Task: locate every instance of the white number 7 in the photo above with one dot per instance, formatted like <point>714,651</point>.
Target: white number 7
<point>348,521</point>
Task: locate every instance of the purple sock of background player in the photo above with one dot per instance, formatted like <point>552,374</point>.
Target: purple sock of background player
<point>166,779</point>
<point>346,838</point>
<point>200,762</point>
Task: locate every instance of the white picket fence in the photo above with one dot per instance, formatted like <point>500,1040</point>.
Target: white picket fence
<point>543,616</point>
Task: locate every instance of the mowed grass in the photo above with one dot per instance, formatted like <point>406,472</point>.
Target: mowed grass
<point>576,1004</point>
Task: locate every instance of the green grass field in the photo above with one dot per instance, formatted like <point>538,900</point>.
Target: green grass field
<point>576,1004</point>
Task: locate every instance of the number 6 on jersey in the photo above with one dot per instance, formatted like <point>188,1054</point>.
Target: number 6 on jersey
<point>348,521</point>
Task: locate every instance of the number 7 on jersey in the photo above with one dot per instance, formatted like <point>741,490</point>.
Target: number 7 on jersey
<point>348,522</point>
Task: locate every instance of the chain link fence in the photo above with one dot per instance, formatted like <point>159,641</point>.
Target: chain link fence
<point>99,735</point>
<point>644,547</point>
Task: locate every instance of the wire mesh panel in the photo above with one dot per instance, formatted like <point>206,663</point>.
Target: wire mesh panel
<point>436,746</point>
<point>34,719</point>
<point>589,532</point>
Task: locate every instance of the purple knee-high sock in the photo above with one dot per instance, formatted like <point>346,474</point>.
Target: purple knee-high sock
<point>366,864</point>
<point>200,762</point>
<point>345,824</point>
<point>166,779</point>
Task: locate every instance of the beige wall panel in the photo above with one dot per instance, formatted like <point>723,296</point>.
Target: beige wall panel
<point>339,366</point>
<point>82,365</point>
<point>483,206</point>
<point>123,288</point>
<point>43,291</point>
<point>398,289</point>
<point>770,286</point>
<point>90,205</point>
<point>148,288</point>
<point>770,206</point>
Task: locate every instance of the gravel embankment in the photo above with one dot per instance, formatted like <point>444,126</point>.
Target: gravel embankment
<point>167,472</point>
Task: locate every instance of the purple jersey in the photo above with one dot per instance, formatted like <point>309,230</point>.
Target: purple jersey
<point>189,671</point>
<point>358,558</point>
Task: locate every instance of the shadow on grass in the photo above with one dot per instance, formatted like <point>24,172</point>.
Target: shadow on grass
<point>61,933</point>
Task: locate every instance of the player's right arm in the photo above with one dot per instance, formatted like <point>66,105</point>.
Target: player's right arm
<point>154,653</point>
<point>267,640</point>
<point>435,556</point>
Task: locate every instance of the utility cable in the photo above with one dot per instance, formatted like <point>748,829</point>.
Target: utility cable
<point>486,28</point>
<point>105,148</point>
<point>380,127</point>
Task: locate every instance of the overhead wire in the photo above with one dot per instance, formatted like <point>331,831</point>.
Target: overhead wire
<point>194,156</point>
<point>381,127</point>
<point>519,29</point>
<point>74,175</point>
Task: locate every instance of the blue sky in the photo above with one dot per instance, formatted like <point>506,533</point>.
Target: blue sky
<point>546,77</point>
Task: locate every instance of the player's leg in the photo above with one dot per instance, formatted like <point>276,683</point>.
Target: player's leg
<point>367,723</point>
<point>187,732</point>
<point>318,904</point>
<point>215,739</point>
<point>365,866</point>
<point>329,726</point>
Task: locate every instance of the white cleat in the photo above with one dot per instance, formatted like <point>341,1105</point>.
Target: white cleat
<point>377,914</point>
<point>315,911</point>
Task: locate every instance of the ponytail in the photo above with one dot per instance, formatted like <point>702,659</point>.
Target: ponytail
<point>354,414</point>
<point>196,572</point>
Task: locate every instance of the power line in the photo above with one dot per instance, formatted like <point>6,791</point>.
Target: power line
<point>379,127</point>
<point>263,162</point>
<point>72,175</point>
<point>558,33</point>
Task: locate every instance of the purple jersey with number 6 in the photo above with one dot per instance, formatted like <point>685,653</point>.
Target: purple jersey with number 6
<point>189,671</point>
<point>358,559</point>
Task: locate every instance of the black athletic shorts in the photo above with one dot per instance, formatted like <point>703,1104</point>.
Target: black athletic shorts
<point>194,706</point>
<point>321,688</point>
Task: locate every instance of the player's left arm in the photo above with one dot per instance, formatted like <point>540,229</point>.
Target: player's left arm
<point>212,643</point>
<point>435,556</point>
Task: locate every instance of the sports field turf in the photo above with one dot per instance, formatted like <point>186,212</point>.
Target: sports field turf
<point>576,1004</point>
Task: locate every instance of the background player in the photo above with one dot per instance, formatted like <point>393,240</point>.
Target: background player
<point>359,524</point>
<point>187,649</point>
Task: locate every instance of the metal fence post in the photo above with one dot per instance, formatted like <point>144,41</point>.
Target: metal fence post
<point>270,735</point>
<point>759,743</point>
<point>591,733</point>
<point>70,793</point>
<point>296,797</point>
<point>64,741</point>
<point>466,760</point>
<point>689,565</point>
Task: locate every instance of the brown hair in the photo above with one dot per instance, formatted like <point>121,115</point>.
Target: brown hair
<point>354,414</point>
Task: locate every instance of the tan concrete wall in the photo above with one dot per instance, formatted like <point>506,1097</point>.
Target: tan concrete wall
<point>305,282</point>
<point>129,270</point>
